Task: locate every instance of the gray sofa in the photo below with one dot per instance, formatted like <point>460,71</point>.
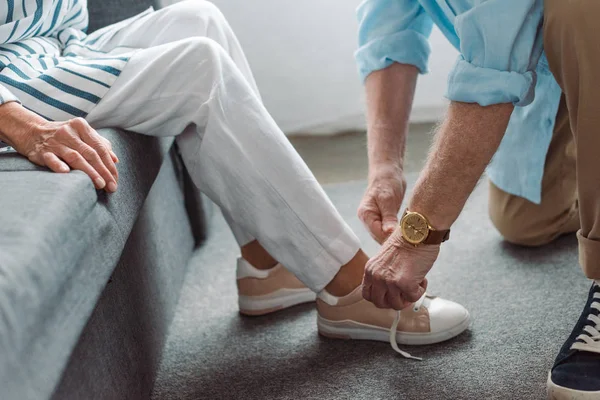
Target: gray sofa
<point>89,281</point>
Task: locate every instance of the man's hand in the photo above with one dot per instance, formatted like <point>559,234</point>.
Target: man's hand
<point>467,140</point>
<point>381,202</point>
<point>395,277</point>
<point>60,146</point>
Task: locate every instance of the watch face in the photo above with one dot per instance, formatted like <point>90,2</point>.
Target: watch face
<point>414,228</point>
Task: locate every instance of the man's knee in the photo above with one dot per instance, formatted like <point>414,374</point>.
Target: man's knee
<point>513,231</point>
<point>518,222</point>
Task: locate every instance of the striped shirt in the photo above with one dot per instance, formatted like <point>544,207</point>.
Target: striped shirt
<point>49,64</point>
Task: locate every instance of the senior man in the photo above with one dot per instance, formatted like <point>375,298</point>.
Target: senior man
<point>504,101</point>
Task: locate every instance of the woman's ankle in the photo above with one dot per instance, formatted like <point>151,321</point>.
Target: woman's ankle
<point>257,256</point>
<point>349,277</point>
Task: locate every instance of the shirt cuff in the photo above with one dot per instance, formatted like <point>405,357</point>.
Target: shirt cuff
<point>485,86</point>
<point>6,95</point>
<point>406,47</point>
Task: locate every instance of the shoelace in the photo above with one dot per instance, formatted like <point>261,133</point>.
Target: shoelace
<point>590,341</point>
<point>394,329</point>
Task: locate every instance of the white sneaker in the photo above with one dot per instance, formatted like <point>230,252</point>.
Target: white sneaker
<point>265,291</point>
<point>430,320</point>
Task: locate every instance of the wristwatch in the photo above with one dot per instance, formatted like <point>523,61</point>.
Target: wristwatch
<point>416,230</point>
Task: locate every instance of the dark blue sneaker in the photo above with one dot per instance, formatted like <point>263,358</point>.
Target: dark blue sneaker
<point>576,371</point>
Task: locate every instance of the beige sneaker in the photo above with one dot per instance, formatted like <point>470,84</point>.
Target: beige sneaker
<point>430,320</point>
<point>265,291</point>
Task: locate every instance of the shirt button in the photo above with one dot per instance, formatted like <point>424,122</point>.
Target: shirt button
<point>549,122</point>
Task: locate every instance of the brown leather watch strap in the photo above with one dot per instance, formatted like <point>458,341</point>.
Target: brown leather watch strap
<point>437,237</point>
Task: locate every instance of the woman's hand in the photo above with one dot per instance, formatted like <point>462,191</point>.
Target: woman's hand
<point>381,202</point>
<point>60,146</point>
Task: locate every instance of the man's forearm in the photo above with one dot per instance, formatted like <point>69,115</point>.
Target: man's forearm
<point>390,93</point>
<point>464,146</point>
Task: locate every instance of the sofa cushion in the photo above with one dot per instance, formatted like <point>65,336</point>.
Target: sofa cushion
<point>120,348</point>
<point>107,12</point>
<point>60,240</point>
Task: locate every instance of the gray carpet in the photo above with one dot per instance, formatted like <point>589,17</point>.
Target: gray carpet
<point>524,303</point>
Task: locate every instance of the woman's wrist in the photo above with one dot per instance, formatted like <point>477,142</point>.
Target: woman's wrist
<point>17,124</point>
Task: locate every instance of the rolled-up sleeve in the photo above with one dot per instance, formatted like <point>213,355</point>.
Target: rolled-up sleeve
<point>500,45</point>
<point>6,95</point>
<point>392,31</point>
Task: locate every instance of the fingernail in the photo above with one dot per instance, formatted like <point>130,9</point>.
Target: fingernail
<point>100,183</point>
<point>112,187</point>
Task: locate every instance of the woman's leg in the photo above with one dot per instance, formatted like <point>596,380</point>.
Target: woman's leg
<point>189,19</point>
<point>184,20</point>
<point>236,154</point>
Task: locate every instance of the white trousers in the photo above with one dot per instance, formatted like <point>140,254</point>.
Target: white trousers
<point>192,79</point>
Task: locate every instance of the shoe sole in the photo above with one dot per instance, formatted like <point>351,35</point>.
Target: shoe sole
<point>272,302</point>
<point>357,331</point>
<point>556,392</point>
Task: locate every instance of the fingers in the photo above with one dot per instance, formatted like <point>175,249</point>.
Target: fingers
<point>108,145</point>
<point>366,288</point>
<point>379,209</point>
<point>75,145</point>
<point>367,283</point>
<point>389,205</point>
<point>95,160</point>
<point>372,221</point>
<point>55,163</point>
<point>424,284</point>
<point>383,294</point>
<point>379,294</point>
<point>414,293</point>
<point>100,155</point>
<point>106,142</point>
<point>374,287</point>
<point>395,299</point>
<point>83,149</point>
<point>77,161</point>
<point>386,290</point>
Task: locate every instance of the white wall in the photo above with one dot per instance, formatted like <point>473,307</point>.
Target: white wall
<point>301,53</point>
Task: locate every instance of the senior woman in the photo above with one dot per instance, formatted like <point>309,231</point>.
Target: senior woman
<point>181,69</point>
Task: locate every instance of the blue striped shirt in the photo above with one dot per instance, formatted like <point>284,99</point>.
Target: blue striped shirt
<point>49,63</point>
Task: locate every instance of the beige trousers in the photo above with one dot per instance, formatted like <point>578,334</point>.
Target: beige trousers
<point>571,184</point>
<point>525,223</point>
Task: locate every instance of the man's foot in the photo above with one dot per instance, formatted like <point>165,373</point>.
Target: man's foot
<point>576,371</point>
<point>430,320</point>
<point>265,291</point>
